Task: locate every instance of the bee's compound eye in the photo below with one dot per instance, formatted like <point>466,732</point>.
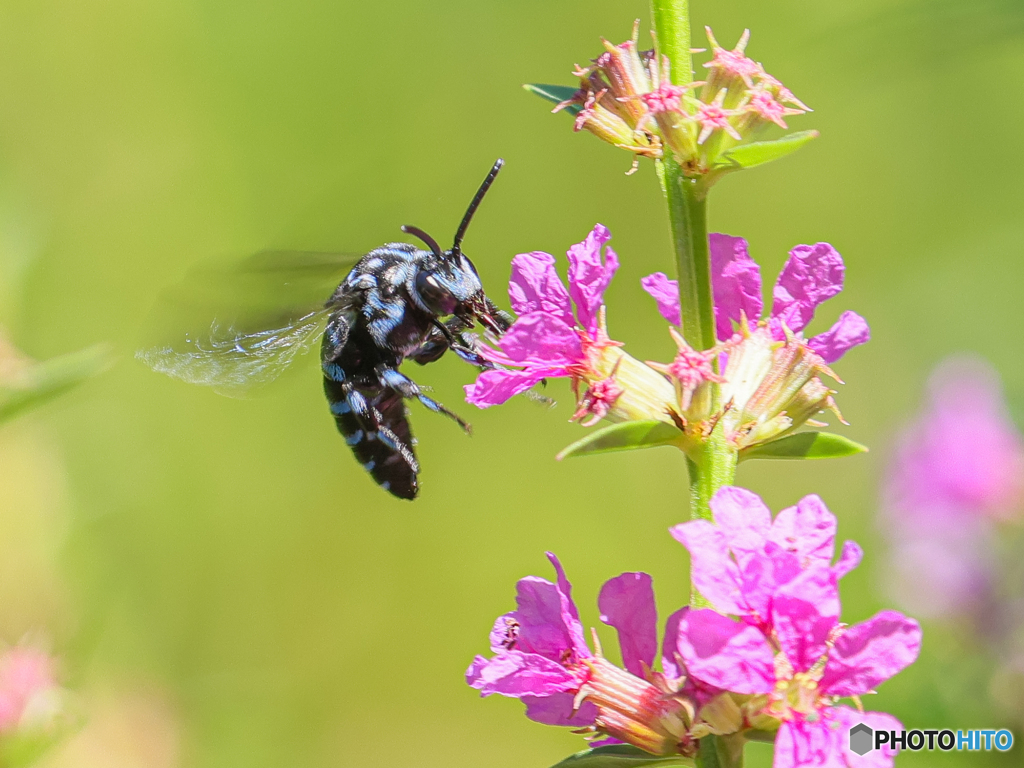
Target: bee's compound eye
<point>434,295</point>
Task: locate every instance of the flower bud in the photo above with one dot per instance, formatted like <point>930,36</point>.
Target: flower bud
<point>772,387</point>
<point>637,712</point>
<point>618,386</point>
<point>720,716</point>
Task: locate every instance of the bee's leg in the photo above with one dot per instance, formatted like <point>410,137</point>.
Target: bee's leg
<point>374,423</point>
<point>466,350</point>
<point>441,337</point>
<point>398,381</point>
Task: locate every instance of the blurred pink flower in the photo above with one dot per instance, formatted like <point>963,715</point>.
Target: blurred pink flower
<point>958,468</point>
<point>812,275</point>
<point>26,676</point>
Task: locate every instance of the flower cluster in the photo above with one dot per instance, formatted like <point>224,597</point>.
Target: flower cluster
<point>627,98</point>
<point>771,377</point>
<point>772,656</point>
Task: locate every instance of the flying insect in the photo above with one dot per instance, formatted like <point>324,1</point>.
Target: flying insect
<point>398,302</point>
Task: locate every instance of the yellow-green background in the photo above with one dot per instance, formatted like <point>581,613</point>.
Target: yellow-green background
<point>222,571</point>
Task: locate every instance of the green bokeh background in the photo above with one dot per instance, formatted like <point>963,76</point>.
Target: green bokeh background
<point>231,553</point>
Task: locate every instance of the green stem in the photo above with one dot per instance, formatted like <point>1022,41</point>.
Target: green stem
<point>688,219</point>
<point>713,469</point>
<point>672,27</point>
<point>714,466</point>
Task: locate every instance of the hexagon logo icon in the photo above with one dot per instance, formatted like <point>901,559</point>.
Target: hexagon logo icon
<point>862,739</point>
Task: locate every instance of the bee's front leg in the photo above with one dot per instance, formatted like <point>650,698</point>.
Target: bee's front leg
<point>398,381</point>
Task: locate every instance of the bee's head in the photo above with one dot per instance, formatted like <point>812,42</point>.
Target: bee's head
<point>450,285</point>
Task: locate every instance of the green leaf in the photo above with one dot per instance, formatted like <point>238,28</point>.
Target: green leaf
<point>556,94</point>
<point>761,152</point>
<point>40,382</point>
<point>623,437</point>
<point>805,445</point>
<point>618,756</point>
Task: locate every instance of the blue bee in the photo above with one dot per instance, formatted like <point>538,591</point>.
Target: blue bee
<point>398,302</point>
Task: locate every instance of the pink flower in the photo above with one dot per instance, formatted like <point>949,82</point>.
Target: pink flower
<point>689,369</point>
<point>548,340</point>
<point>781,92</point>
<point>666,98</point>
<point>734,63</point>
<point>26,676</point>
<point>812,274</point>
<point>766,107</point>
<point>801,660</point>
<point>958,468</point>
<point>539,653</point>
<point>540,657</point>
<point>714,117</point>
<point>561,333</point>
<point>743,558</point>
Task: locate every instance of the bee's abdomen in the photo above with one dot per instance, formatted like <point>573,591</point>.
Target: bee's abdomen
<point>375,425</point>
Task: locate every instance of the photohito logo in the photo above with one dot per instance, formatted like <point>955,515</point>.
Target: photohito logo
<point>864,739</point>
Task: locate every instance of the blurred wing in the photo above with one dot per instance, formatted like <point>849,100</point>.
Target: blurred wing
<point>234,363</point>
<point>235,326</point>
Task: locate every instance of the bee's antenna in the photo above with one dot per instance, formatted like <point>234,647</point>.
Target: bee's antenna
<point>457,245</point>
<point>431,242</point>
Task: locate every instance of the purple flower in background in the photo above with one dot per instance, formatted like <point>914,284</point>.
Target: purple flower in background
<point>958,467</point>
<point>541,657</point>
<point>741,560</point>
<point>802,660</point>
<point>812,275</point>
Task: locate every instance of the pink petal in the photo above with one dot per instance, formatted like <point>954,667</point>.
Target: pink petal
<point>627,603</point>
<point>536,287</point>
<point>518,674</point>
<point>546,624</point>
<point>846,718</point>
<point>496,387</point>
<point>813,274</point>
<point>849,331</point>
<point>669,651</point>
<point>557,710</point>
<point>735,282</point>
<point>803,744</point>
<point>712,570</point>
<point>807,530</point>
<point>871,652</point>
<point>804,613</point>
<point>570,616</point>
<point>666,293</point>
<point>589,276</point>
<point>849,559</point>
<point>725,653</point>
<point>542,339</point>
<point>563,583</point>
<point>744,519</point>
